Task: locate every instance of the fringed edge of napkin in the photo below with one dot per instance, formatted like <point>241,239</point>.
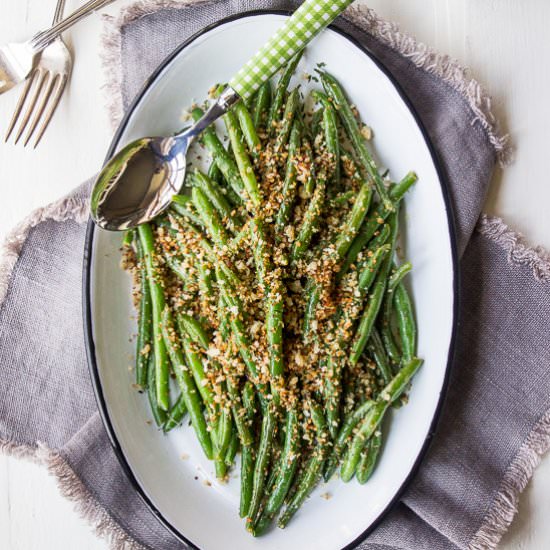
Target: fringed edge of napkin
<point>424,57</point>
<point>72,488</point>
<point>519,252</point>
<point>519,472</point>
<point>67,208</point>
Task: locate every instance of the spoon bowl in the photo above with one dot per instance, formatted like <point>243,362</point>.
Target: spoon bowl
<point>139,182</point>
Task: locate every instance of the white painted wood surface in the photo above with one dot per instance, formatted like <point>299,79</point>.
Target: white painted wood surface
<point>504,42</point>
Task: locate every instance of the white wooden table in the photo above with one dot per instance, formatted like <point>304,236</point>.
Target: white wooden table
<point>504,42</point>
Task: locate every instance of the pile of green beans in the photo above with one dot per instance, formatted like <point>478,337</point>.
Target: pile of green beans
<point>273,310</point>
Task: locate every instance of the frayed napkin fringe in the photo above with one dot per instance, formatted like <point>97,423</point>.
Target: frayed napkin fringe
<point>72,488</point>
<point>518,474</point>
<point>68,208</point>
<point>111,51</point>
<point>519,253</point>
<point>442,66</point>
<point>424,57</point>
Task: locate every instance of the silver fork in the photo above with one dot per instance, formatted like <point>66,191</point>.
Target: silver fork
<point>47,82</point>
<point>19,60</point>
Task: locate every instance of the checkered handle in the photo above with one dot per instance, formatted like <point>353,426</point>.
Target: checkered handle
<point>306,22</point>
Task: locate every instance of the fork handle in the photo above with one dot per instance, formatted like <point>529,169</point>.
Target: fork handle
<point>58,15</point>
<point>44,38</point>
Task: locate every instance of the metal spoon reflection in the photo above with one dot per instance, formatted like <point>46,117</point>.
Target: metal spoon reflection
<point>138,183</point>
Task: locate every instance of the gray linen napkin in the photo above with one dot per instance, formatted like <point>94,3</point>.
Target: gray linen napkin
<point>496,420</point>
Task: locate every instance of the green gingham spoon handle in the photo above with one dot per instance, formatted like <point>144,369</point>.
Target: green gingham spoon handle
<point>306,22</point>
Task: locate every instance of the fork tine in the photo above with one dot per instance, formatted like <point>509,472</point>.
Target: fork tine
<point>58,92</point>
<point>47,92</point>
<point>30,107</point>
<point>20,104</point>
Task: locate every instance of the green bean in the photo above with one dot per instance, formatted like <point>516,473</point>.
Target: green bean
<point>144,343</point>
<point>384,324</point>
<point>368,458</point>
<point>400,381</point>
<point>405,322</point>
<point>343,198</point>
<point>310,222</point>
<point>308,480</point>
<point>378,353</point>
<point>340,443</point>
<point>330,127</point>
<point>183,205</point>
<point>367,320</point>
<point>307,149</point>
<point>248,128</point>
<point>249,400</point>
<point>313,295</point>
<point>289,185</point>
<point>289,463</point>
<point>128,238</point>
<point>241,156</point>
<point>334,90</point>
<point>316,120</point>
<point>379,238</point>
<point>332,391</point>
<point>194,362</point>
<point>228,273</point>
<point>247,479</point>
<point>354,220</point>
<point>280,92</point>
<point>387,307</point>
<point>217,198</point>
<point>260,113</point>
<point>241,423</point>
<point>371,421</point>
<point>364,432</point>
<point>374,220</point>
<point>358,245</point>
<point>220,467</point>
<point>215,174</point>
<point>373,264</point>
<point>209,217</point>
<point>232,450</point>
<point>177,412</point>
<point>398,275</point>
<point>224,431</point>
<point>273,467</point>
<point>319,419</point>
<point>390,346</point>
<point>312,471</point>
<point>332,386</point>
<point>194,329</point>
<point>289,115</point>
<point>176,266</point>
<point>186,382</point>
<point>262,460</point>
<point>222,158</point>
<point>270,281</point>
<point>397,191</point>
<point>159,415</point>
<point>234,307</point>
<point>162,366</point>
<point>235,246</point>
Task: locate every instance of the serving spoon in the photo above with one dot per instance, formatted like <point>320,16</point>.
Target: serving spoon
<point>138,183</point>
